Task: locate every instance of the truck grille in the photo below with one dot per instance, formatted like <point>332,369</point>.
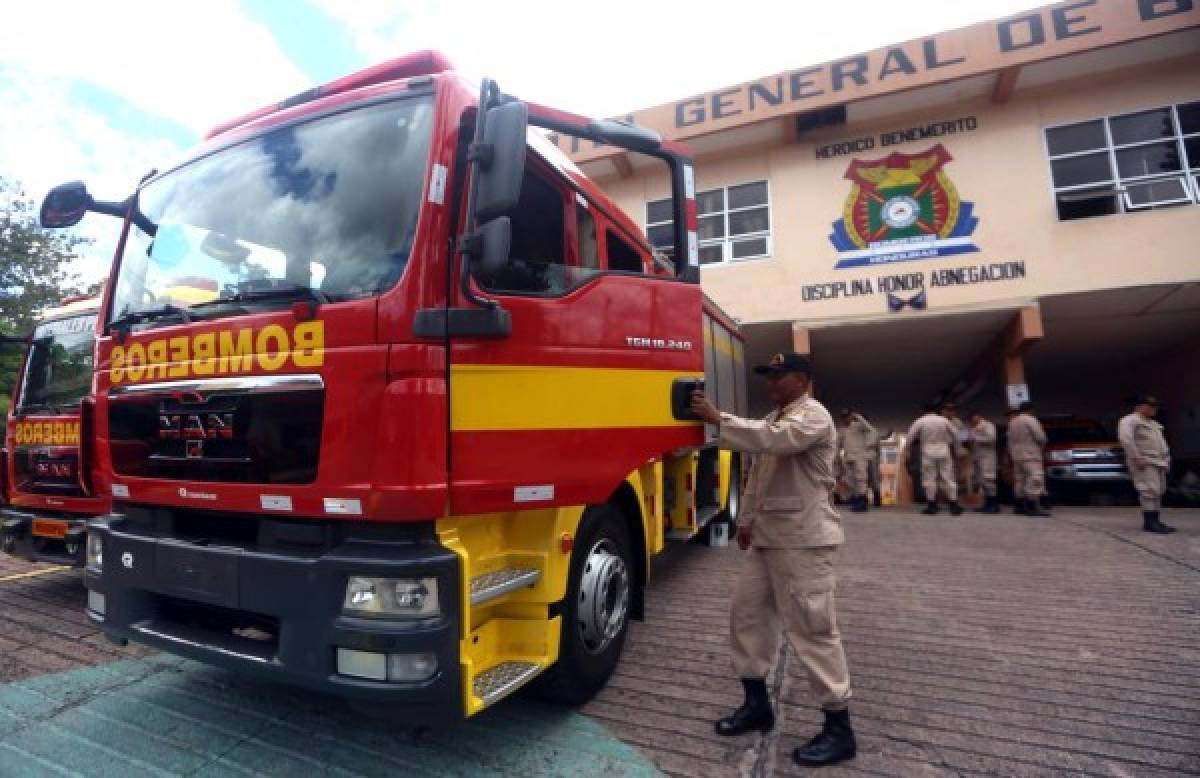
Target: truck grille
<point>236,433</point>
<point>52,471</point>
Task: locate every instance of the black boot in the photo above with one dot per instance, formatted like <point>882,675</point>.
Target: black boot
<point>755,713</point>
<point>1150,523</point>
<point>1035,508</point>
<point>991,505</point>
<point>955,508</point>
<point>930,508</point>
<point>833,744</point>
<point>877,501</point>
<point>860,504</point>
<point>1020,506</point>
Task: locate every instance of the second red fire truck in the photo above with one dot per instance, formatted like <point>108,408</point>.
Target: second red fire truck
<point>48,488</point>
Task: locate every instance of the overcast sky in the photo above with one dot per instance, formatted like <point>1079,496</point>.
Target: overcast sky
<point>105,91</point>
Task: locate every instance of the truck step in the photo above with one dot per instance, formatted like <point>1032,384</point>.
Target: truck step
<point>503,679</point>
<point>706,514</point>
<point>489,586</point>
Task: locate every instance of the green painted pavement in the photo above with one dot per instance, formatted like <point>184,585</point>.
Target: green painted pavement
<point>165,716</point>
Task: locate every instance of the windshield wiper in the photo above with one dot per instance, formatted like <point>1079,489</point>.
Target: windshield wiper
<point>124,323</point>
<point>284,292</point>
<point>35,407</point>
<point>269,292</point>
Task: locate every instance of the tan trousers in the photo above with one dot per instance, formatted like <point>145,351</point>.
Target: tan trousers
<point>984,474</point>
<point>1029,479</point>
<point>856,474</point>
<point>938,470</point>
<point>873,480</point>
<point>793,587</point>
<point>1151,483</point>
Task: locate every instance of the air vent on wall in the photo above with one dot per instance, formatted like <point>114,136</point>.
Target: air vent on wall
<point>825,117</point>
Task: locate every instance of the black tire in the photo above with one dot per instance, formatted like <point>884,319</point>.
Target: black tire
<point>733,500</point>
<point>585,663</point>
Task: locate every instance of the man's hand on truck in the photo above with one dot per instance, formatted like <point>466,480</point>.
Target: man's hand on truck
<point>705,409</point>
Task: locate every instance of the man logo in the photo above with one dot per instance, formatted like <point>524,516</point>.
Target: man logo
<point>127,560</point>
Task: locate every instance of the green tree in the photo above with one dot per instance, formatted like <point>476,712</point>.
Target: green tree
<point>35,273</point>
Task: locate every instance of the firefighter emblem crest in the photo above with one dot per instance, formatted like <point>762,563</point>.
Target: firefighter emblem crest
<point>900,208</point>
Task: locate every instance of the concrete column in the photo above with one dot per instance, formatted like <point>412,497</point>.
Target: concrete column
<point>802,344</point>
<point>1025,330</point>
<point>1014,368</point>
<point>801,340</point>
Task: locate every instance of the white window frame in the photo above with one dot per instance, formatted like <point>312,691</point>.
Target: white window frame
<point>726,242</point>
<point>1189,170</point>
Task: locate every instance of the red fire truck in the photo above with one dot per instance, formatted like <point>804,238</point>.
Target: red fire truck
<point>391,399</point>
<point>48,488</point>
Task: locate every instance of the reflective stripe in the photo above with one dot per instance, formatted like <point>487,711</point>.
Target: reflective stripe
<point>522,397</point>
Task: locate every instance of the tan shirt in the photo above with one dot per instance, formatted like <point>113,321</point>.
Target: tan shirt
<point>1143,439</point>
<point>936,434</point>
<point>873,442</point>
<point>856,438</point>
<point>787,497</point>
<point>1026,438</point>
<point>983,438</point>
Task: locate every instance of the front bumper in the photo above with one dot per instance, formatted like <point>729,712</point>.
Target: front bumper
<point>18,536</point>
<point>277,614</point>
<point>1086,474</point>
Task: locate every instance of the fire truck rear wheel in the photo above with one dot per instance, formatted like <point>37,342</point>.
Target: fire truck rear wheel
<point>733,502</point>
<point>595,612</point>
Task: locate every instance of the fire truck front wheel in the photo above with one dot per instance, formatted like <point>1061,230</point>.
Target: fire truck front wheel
<point>595,612</point>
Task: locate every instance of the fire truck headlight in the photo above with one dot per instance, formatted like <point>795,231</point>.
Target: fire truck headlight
<point>396,668</point>
<point>95,552</point>
<point>411,667</point>
<point>391,598</point>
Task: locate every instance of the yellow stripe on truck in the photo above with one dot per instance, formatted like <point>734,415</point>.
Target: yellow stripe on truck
<point>521,397</point>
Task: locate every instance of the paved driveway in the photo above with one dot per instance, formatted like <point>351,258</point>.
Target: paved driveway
<point>996,645</point>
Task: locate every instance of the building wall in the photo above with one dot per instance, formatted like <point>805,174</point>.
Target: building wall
<point>1001,167</point>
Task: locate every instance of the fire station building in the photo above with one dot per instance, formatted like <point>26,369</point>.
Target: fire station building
<point>1005,211</point>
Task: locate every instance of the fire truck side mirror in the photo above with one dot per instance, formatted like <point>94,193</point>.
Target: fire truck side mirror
<point>501,160</point>
<point>65,205</point>
<point>494,244</point>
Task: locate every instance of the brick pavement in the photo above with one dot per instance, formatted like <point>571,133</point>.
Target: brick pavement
<point>979,645</point>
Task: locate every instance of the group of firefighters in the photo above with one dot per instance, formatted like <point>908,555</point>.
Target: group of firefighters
<point>940,437</point>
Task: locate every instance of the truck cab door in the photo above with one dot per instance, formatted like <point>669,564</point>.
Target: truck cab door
<point>577,395</point>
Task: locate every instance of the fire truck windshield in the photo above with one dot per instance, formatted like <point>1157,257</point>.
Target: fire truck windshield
<point>58,369</point>
<point>329,205</point>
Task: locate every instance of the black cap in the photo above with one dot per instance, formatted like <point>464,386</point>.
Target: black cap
<point>1147,399</point>
<point>786,362</point>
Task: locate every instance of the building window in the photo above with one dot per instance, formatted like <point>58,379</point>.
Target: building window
<point>1132,162</point>
<point>734,223</point>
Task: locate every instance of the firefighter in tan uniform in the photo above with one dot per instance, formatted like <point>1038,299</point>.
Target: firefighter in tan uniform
<point>1026,440</point>
<point>787,578</point>
<point>959,454</point>
<point>1148,458</point>
<point>856,436</point>
<point>983,455</point>
<point>938,440</point>
<point>874,482</point>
